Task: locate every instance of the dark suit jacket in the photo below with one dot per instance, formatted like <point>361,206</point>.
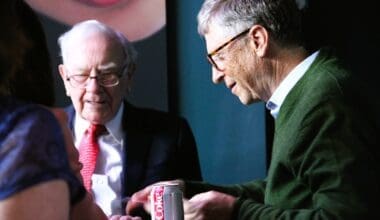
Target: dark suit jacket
<point>158,146</point>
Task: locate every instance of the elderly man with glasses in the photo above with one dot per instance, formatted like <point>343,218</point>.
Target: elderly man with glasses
<point>325,157</point>
<point>123,148</point>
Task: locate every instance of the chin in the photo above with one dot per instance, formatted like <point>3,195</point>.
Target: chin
<point>94,119</point>
<point>246,100</point>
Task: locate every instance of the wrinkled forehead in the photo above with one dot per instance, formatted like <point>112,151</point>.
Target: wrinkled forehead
<point>95,51</point>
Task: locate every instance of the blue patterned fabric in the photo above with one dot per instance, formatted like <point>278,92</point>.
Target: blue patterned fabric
<point>32,149</point>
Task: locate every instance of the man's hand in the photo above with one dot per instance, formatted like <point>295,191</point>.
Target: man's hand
<point>209,206</point>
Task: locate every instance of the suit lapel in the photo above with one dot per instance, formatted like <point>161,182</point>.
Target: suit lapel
<point>136,148</point>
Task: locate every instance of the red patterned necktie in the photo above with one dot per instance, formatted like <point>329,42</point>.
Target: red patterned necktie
<point>88,152</point>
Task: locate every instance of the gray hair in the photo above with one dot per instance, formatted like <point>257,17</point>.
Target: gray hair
<point>83,29</point>
<point>281,18</point>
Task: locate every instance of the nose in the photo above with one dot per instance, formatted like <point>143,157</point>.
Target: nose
<point>217,76</point>
<point>92,83</point>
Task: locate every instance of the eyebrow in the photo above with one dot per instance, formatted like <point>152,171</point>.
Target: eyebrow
<point>107,66</point>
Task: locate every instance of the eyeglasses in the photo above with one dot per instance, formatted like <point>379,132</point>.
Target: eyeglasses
<point>212,56</point>
<point>107,79</point>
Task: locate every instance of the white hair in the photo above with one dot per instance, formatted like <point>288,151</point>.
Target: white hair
<point>282,18</point>
<point>86,28</point>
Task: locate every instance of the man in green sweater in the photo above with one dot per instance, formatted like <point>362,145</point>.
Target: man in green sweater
<point>325,158</point>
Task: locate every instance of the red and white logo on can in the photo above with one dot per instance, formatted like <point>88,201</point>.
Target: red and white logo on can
<point>166,202</point>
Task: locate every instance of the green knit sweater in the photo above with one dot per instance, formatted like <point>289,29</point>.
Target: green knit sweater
<point>324,161</point>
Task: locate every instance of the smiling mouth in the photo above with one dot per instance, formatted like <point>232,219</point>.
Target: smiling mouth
<point>231,86</point>
<point>95,102</point>
<point>99,3</point>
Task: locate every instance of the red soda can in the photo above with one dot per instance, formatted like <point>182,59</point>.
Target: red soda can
<point>166,202</point>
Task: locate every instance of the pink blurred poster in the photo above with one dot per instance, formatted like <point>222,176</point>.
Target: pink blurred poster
<point>137,19</point>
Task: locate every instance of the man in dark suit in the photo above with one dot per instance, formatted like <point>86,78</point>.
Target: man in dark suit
<point>134,147</point>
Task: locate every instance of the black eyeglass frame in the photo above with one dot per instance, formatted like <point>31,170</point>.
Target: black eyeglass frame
<point>212,53</point>
<point>83,85</point>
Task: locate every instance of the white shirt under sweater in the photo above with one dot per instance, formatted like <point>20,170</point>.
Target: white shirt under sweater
<point>106,180</point>
<point>275,101</point>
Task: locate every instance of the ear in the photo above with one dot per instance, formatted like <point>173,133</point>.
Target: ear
<point>62,72</point>
<point>259,39</point>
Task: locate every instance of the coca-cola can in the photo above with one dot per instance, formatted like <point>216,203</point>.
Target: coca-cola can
<point>166,202</point>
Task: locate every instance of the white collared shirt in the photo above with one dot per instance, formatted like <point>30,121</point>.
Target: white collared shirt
<point>279,95</point>
<point>106,180</point>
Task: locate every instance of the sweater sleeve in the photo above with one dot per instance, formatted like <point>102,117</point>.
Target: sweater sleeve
<point>254,189</point>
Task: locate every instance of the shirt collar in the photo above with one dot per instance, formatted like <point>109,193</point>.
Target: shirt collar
<point>114,126</point>
<point>279,95</point>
